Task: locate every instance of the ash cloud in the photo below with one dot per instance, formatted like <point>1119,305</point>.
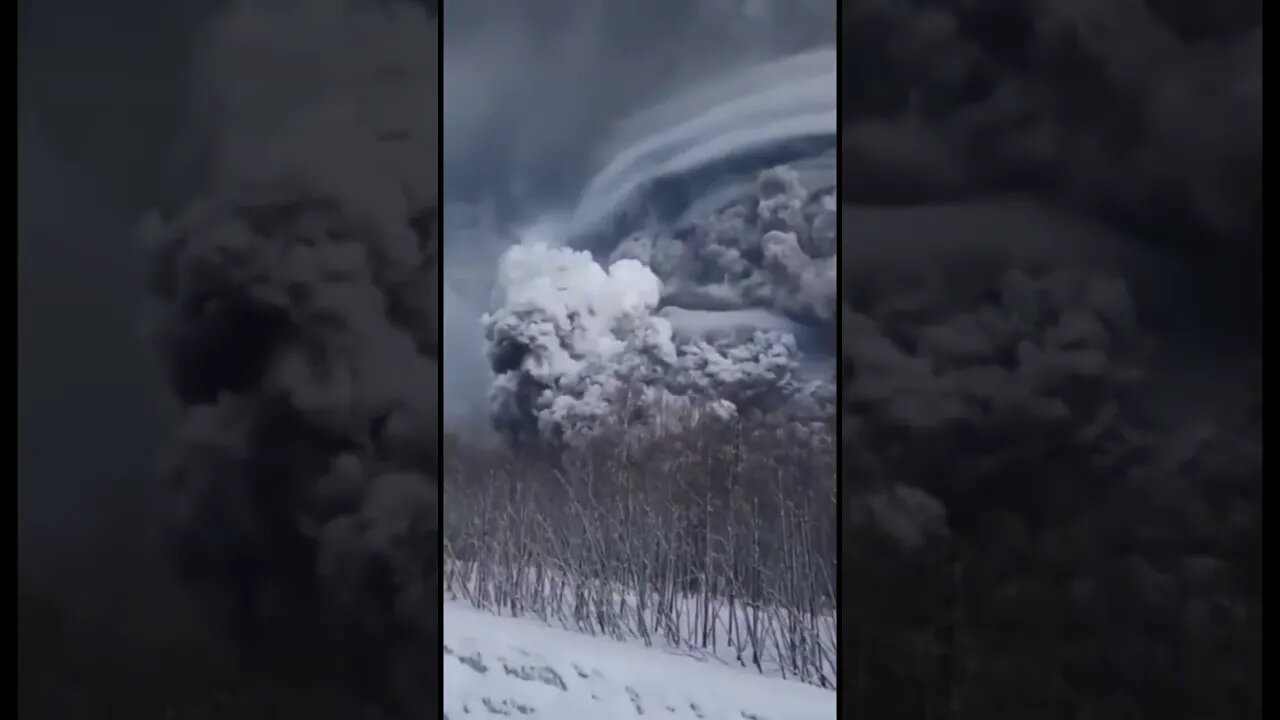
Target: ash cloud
<point>1147,114</point>
<point>709,187</point>
<point>297,317</point>
<point>526,127</point>
<point>733,315</point>
<point>526,132</point>
<point>1051,350</point>
<point>1121,140</point>
<point>1116,140</point>
<point>572,344</point>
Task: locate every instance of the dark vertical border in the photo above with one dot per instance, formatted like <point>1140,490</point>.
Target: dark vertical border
<point>438,8</point>
<point>841,687</point>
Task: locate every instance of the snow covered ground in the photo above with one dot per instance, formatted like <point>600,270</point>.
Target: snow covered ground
<point>497,667</point>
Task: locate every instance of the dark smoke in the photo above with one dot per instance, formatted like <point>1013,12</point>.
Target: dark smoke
<point>1119,110</point>
<point>1051,368</point>
<point>298,320</point>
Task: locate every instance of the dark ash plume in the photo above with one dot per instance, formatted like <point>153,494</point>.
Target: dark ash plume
<point>1051,360</point>
<point>299,322</point>
<point>1146,113</point>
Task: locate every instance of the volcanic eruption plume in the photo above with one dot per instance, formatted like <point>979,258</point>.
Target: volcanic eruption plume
<point>691,271</point>
<point>1051,357</point>
<point>298,319</point>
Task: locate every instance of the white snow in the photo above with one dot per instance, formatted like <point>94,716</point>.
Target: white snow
<point>498,666</point>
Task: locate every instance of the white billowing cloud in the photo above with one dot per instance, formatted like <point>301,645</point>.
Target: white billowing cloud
<point>573,344</point>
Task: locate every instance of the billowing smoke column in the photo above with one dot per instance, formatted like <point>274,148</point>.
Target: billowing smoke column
<point>1131,133</point>
<point>1051,360</point>
<point>696,275</point>
<point>300,326</point>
